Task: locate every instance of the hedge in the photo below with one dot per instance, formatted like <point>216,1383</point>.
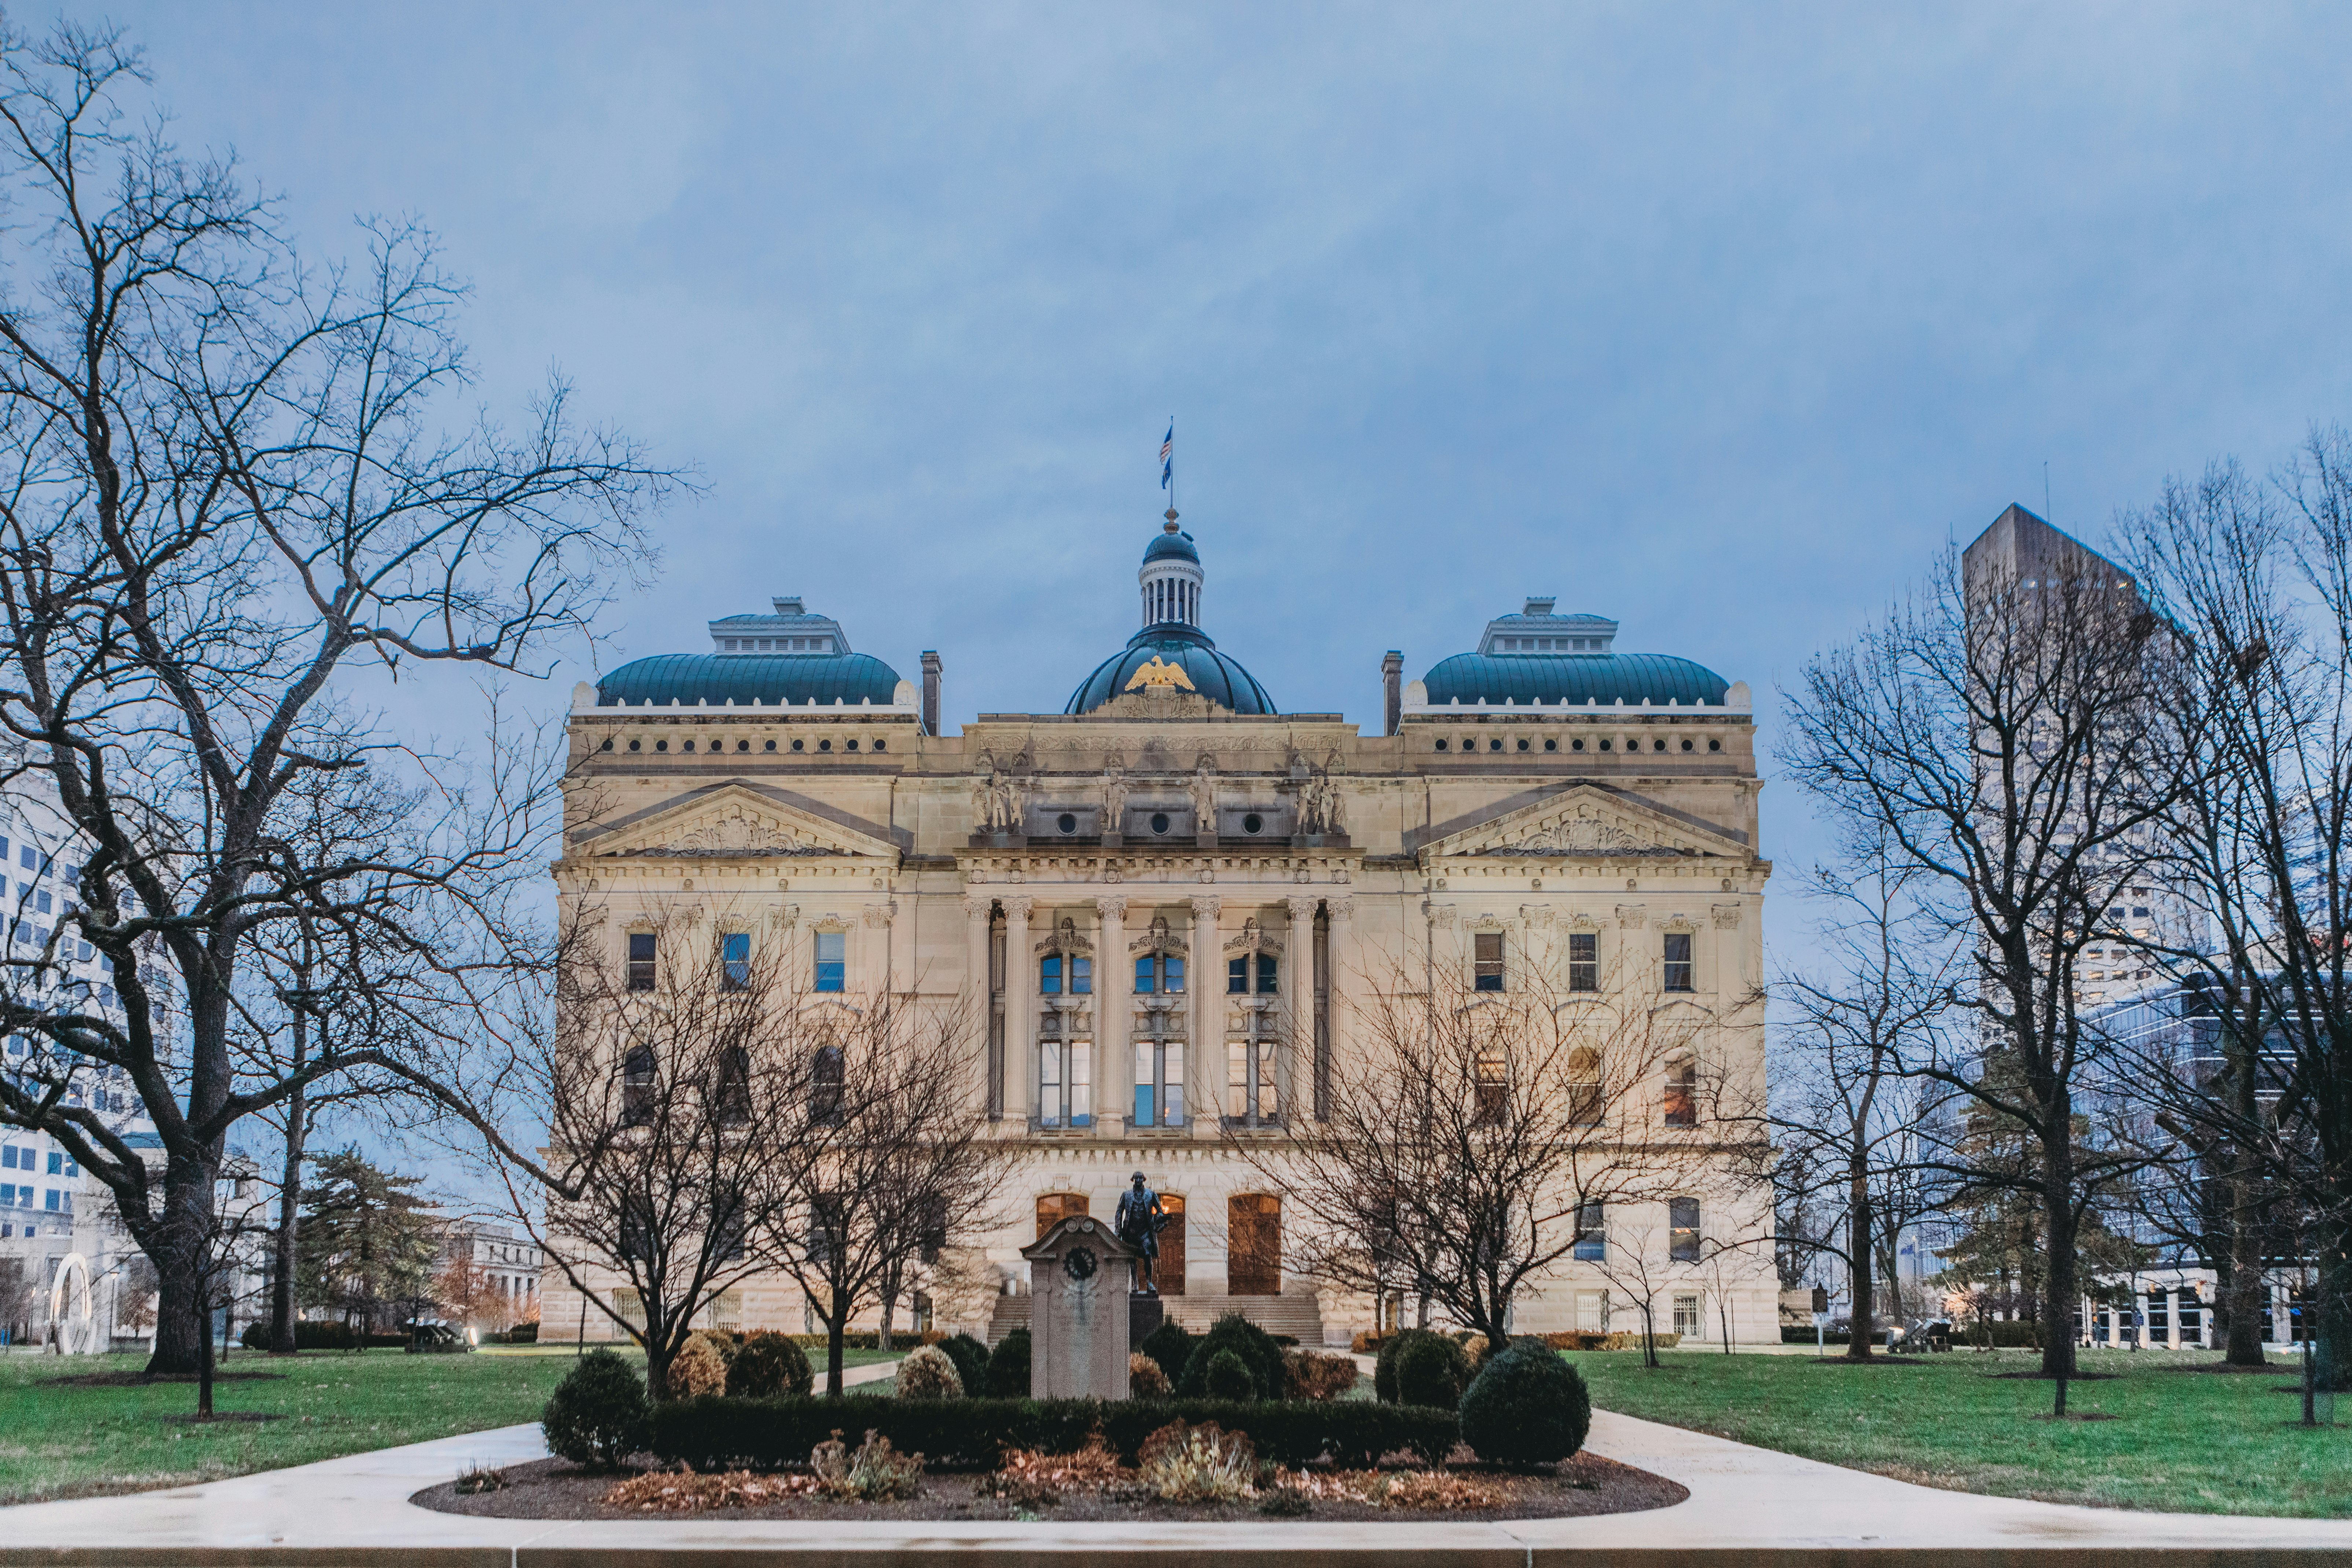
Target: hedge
<point>900,1340</point>
<point>323,1336</point>
<point>718,1434</point>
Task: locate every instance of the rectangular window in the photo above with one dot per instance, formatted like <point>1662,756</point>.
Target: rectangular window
<point>1267,965</point>
<point>1682,1095</point>
<point>49,1199</point>
<point>1682,1223</point>
<point>1049,975</point>
<point>641,961</point>
<point>25,857</point>
<point>1250,1082</point>
<point>1237,976</point>
<point>1592,1312</point>
<point>7,1155</point>
<point>1591,1233</point>
<point>1487,960</point>
<point>1171,975</point>
<point>1082,976</point>
<point>1145,970</point>
<point>41,903</point>
<point>735,960</point>
<point>57,1163</point>
<point>1584,961</point>
<point>1688,1323</point>
<point>832,960</point>
<point>1160,1083</point>
<point>1494,1086</point>
<point>1065,1095</point>
<point>1678,961</point>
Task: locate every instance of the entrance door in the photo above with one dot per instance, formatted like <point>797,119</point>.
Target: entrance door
<point>1254,1245</point>
<point>1054,1207</point>
<point>1170,1272</point>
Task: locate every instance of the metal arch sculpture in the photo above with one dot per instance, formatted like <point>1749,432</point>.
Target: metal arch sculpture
<point>85,1333</point>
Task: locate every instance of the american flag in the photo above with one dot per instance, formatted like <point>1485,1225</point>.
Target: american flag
<point>1168,456</point>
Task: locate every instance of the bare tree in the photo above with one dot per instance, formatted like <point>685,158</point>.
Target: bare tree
<point>1477,1136</point>
<point>224,490</point>
<point>674,1105</point>
<point>2007,731</point>
<point>901,1166</point>
<point>2257,1082</point>
<point>1847,1121</point>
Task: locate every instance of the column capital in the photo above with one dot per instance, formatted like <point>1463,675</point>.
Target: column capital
<point>1016,910</point>
<point>977,905</point>
<point>1339,909</point>
<point>1111,910</point>
<point>1302,913</point>
<point>1204,910</point>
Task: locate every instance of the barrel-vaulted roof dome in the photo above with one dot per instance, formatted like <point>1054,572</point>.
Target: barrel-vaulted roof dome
<point>1537,655</point>
<point>1218,677</point>
<point>790,656</point>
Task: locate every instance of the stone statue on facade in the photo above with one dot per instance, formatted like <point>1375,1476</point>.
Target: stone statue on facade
<point>1138,1223</point>
<point>1204,797</point>
<point>1114,798</point>
<point>996,800</point>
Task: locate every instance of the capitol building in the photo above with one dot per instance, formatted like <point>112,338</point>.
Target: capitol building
<point>1541,810</point>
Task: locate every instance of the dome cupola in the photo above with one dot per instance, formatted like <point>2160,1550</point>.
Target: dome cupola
<point>1171,577</point>
<point>1171,650</point>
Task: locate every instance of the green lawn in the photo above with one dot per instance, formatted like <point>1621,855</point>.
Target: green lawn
<point>60,1440</point>
<point>2180,1441</point>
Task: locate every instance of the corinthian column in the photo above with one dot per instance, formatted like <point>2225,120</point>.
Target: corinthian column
<point>1298,952</point>
<point>1114,1063</point>
<point>1020,1009</point>
<point>976,993</point>
<point>1205,1091</point>
<point>1347,966</point>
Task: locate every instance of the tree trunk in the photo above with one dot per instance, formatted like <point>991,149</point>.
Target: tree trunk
<point>2058,1287</point>
<point>281,1288</point>
<point>182,1326</point>
<point>1859,1240</point>
<point>205,1373</point>
<point>836,1323</point>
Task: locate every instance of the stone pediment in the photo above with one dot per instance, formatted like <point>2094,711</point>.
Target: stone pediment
<point>1583,822</point>
<point>731,821</point>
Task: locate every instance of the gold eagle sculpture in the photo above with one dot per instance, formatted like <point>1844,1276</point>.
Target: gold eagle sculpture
<point>1160,672</point>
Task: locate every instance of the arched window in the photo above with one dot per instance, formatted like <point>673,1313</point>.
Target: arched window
<point>637,1087</point>
<point>826,1071</point>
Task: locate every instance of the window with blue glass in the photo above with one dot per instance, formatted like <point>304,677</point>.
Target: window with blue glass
<point>1160,1083</point>
<point>1251,973</point>
<point>735,960</point>
<point>1065,1093</point>
<point>1592,1233</point>
<point>1158,975</point>
<point>832,960</point>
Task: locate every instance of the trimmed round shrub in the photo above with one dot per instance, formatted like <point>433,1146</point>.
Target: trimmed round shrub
<point>1008,1366</point>
<point>1170,1344</point>
<point>1253,1345</point>
<point>971,1358</point>
<point>1145,1379</point>
<point>1527,1406</point>
<point>768,1365</point>
<point>1228,1377</point>
<point>597,1414</point>
<point>1432,1371</point>
<point>697,1368</point>
<point>928,1374</point>
<point>1384,1363</point>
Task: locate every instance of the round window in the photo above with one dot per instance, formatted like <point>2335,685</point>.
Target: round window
<point>828,745</point>
<point>1523,745</point>
<point>1686,746</point>
<point>1441,745</point>
<point>797,745</point>
<point>633,744</point>
<point>1714,745</point>
<point>661,745</point>
<point>1604,746</point>
<point>1252,822</point>
<point>853,746</point>
<point>771,745</point>
<point>1657,745</point>
<point>1159,822</point>
<point>607,745</point>
<point>1496,745</point>
<point>688,747</point>
<point>1069,822</point>
<point>742,745</point>
<point>878,746</point>
<point>1577,744</point>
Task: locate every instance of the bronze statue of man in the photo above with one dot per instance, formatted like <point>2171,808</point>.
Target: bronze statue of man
<point>1139,1223</point>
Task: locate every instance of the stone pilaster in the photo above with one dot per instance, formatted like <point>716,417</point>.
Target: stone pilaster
<point>1204,1055</point>
<point>1020,1012</point>
<point>1114,988</point>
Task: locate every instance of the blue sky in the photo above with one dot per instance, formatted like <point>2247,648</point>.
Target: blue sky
<point>1718,319</point>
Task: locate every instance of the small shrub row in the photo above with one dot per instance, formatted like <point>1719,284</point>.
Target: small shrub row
<point>900,1340</point>
<point>716,1434</point>
<point>309,1336</point>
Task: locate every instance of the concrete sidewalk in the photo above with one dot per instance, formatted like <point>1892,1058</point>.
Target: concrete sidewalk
<point>1746,1503</point>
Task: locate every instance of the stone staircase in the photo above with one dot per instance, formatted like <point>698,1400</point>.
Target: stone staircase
<point>1296,1314</point>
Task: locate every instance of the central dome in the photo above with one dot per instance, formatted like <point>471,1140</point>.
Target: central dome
<point>1171,581</point>
<point>1215,676</point>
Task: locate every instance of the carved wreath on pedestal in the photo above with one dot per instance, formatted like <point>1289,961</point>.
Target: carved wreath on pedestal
<point>1080,1263</point>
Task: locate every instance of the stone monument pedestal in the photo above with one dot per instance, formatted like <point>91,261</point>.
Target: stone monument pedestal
<point>1079,1313</point>
<point>1144,1313</point>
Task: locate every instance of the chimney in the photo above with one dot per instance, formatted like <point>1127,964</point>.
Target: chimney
<point>931,668</point>
<point>1392,687</point>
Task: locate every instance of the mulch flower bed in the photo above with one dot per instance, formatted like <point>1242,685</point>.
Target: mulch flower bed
<point>1080,1487</point>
